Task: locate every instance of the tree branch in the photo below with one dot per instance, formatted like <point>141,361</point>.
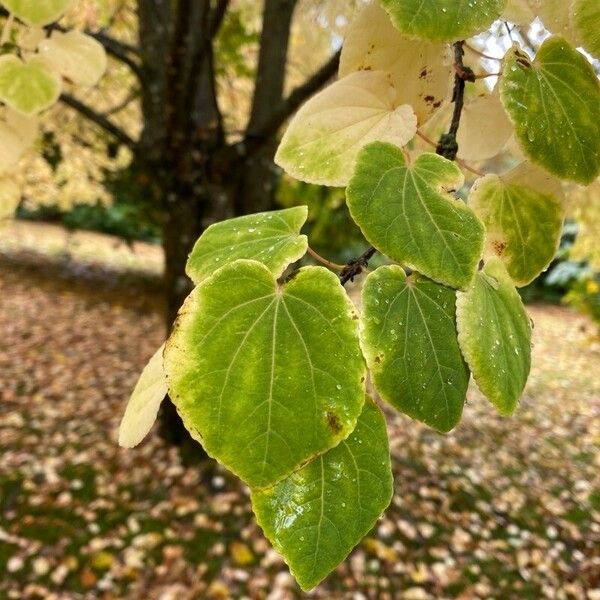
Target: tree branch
<point>297,97</point>
<point>100,120</point>
<point>217,16</point>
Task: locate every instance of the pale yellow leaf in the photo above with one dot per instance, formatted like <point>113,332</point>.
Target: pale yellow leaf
<point>10,195</point>
<point>17,134</point>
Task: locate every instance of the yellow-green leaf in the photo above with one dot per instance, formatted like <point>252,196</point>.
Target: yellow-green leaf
<point>408,336</point>
<point>142,408</point>
<point>28,87</point>
<point>406,212</point>
<point>17,135</point>
<point>272,238</point>
<point>586,24</point>
<point>37,12</point>
<point>523,214</point>
<point>494,334</point>
<point>554,104</point>
<point>318,514</point>
<point>264,375</point>
<point>322,141</point>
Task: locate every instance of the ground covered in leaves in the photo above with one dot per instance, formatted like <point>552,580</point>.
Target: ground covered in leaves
<point>500,508</point>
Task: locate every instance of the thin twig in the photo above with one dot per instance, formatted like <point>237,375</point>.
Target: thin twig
<point>479,53</point>
<point>324,261</point>
<point>7,29</point>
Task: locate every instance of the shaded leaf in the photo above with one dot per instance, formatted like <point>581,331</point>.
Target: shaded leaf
<point>554,104</point>
<point>272,238</point>
<point>266,376</point>
<point>316,516</point>
<point>443,20</point>
<point>142,408</point>
<point>494,334</point>
<point>408,336</point>
<point>322,141</point>
<point>406,212</point>
<point>421,71</point>
<point>518,12</point>
<point>586,24</point>
<point>523,215</point>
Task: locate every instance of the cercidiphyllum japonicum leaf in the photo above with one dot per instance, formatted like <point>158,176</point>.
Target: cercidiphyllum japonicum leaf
<point>37,12</point>
<point>319,513</point>
<point>586,24</point>
<point>554,104</point>
<point>17,135</point>
<point>484,128</point>
<point>266,376</point>
<point>443,20</point>
<point>518,12</point>
<point>494,334</point>
<point>323,139</point>
<point>76,56</point>
<point>408,337</point>
<point>144,403</point>
<point>406,212</point>
<point>272,238</point>
<point>28,87</point>
<point>555,15</point>
<point>422,71</point>
<point>10,194</point>
<point>523,214</point>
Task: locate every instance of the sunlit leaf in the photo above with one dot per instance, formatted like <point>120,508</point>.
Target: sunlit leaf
<point>554,104</point>
<point>272,238</point>
<point>17,134</point>
<point>421,71</point>
<point>406,212</point>
<point>518,12</point>
<point>266,376</point>
<point>443,20</point>
<point>523,215</point>
<point>76,56</point>
<point>495,336</point>
<point>484,128</point>
<point>586,24</point>
<point>142,408</point>
<point>318,514</point>
<point>408,336</point>
<point>10,195</point>
<point>37,12</point>
<point>323,139</point>
<point>30,87</point>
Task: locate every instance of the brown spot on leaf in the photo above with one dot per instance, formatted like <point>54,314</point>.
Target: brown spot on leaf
<point>333,422</point>
<point>499,247</point>
<point>423,74</point>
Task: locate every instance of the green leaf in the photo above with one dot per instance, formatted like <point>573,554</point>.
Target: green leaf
<point>494,334</point>
<point>272,238</point>
<point>37,12</point>
<point>28,88</point>
<point>406,213</point>
<point>318,514</point>
<point>523,215</point>
<point>323,139</point>
<point>408,336</point>
<point>586,22</point>
<point>266,376</point>
<point>443,20</point>
<point>142,407</point>
<point>554,104</point>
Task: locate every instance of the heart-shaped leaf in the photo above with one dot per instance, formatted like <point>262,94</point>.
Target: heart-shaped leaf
<point>318,514</point>
<point>30,87</point>
<point>554,104</point>
<point>421,71</point>
<point>443,20</point>
<point>266,376</point>
<point>323,139</point>
<point>406,212</point>
<point>408,336</point>
<point>494,334</point>
<point>555,15</point>
<point>272,238</point>
<point>142,408</point>
<point>523,214</point>
<point>37,12</point>
<point>76,56</point>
